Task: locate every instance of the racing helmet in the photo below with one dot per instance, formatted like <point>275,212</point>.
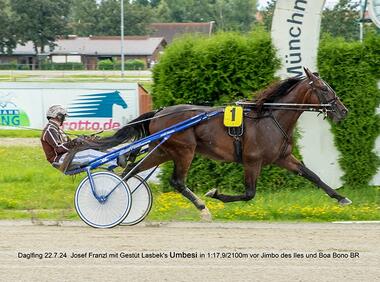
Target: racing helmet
<point>56,111</point>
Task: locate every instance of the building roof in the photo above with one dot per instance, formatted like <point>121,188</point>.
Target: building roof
<point>172,30</point>
<point>98,45</point>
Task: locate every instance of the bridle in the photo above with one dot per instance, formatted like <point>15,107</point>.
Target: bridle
<point>321,92</point>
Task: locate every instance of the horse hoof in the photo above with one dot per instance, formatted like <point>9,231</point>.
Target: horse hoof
<point>211,193</point>
<point>345,202</point>
<point>206,215</point>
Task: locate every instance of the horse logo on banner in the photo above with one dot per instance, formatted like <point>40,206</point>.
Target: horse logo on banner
<point>96,105</point>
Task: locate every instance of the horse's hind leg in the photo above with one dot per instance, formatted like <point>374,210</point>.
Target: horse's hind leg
<point>182,163</point>
<point>251,173</point>
<point>292,164</point>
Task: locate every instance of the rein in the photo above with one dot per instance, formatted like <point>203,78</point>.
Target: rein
<point>322,108</point>
<point>40,130</point>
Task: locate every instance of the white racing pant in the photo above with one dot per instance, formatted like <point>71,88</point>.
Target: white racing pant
<point>84,157</point>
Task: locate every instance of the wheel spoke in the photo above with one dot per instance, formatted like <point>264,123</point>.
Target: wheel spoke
<point>112,211</point>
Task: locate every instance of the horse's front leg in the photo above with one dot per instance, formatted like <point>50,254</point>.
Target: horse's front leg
<point>294,165</point>
<point>251,173</point>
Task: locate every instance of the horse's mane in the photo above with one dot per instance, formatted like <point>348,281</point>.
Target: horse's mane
<point>275,90</point>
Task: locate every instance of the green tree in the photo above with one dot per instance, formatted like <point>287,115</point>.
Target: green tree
<point>142,2</point>
<point>238,15</point>
<point>152,3</point>
<point>84,17</point>
<point>109,18</point>
<point>41,21</point>
<point>162,12</point>
<point>267,14</point>
<point>136,18</point>
<point>187,10</point>
<point>342,20</point>
<point>8,38</point>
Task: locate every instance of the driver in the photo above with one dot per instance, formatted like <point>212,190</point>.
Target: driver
<point>56,143</point>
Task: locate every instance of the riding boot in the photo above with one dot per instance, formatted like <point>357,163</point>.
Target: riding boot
<point>122,161</point>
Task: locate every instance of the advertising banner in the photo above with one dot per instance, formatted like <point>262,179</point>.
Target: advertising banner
<point>374,11</point>
<point>295,34</point>
<point>91,106</point>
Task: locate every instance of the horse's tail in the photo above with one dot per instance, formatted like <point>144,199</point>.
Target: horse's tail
<point>134,130</point>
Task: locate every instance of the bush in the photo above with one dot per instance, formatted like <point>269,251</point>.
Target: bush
<point>23,67</point>
<point>352,69</point>
<point>105,65</point>
<point>372,52</point>
<point>61,66</point>
<point>135,65</point>
<point>128,65</point>
<point>13,66</point>
<point>8,66</point>
<point>219,69</point>
<point>131,65</point>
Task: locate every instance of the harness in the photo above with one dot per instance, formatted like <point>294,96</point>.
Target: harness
<point>237,133</point>
<point>323,108</point>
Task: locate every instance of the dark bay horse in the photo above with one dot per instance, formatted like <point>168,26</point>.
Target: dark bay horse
<point>267,138</point>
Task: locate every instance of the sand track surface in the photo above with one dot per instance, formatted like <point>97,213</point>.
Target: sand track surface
<point>190,252</point>
<point>11,142</point>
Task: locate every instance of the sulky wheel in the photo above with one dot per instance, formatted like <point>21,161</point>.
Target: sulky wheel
<point>104,211</point>
<point>141,200</point>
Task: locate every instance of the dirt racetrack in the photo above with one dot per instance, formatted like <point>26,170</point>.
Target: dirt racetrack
<point>190,252</point>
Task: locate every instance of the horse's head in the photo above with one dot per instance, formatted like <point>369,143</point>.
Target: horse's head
<point>324,94</point>
<point>118,100</point>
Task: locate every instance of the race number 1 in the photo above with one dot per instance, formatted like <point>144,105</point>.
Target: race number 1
<point>233,116</point>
